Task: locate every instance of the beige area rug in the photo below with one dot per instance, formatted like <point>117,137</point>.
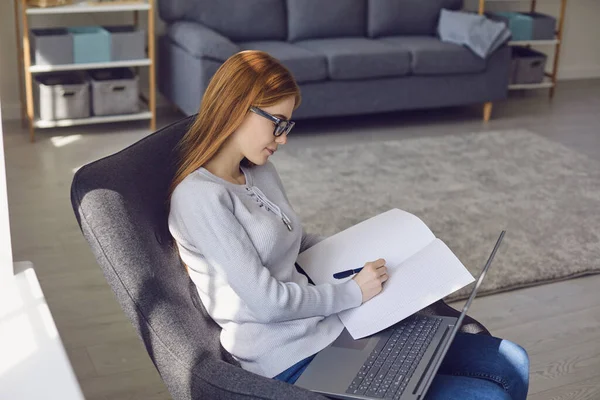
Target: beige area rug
<point>466,188</point>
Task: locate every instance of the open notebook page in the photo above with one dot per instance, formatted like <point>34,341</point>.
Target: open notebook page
<point>431,274</point>
<point>421,268</point>
<point>394,235</point>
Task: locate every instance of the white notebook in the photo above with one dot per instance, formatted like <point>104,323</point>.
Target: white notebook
<point>421,268</point>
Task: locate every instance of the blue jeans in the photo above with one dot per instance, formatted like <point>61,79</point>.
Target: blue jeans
<point>475,367</point>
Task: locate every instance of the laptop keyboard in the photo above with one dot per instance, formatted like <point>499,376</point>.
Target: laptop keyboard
<point>392,362</point>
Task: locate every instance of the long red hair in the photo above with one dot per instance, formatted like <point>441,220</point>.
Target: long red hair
<point>248,78</point>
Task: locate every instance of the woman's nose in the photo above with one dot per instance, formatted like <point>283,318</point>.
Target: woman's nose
<point>281,139</point>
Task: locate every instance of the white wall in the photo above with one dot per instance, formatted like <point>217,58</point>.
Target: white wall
<point>6,258</point>
<point>580,56</point>
<point>9,77</point>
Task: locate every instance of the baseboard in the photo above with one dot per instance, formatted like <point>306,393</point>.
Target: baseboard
<point>583,72</point>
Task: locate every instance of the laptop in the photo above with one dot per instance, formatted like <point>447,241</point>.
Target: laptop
<point>399,362</point>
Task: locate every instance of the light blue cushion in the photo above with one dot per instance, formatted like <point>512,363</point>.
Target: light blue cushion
<point>310,19</point>
<point>406,17</point>
<point>480,34</point>
<point>431,56</point>
<point>360,58</point>
<point>236,19</point>
<point>305,65</point>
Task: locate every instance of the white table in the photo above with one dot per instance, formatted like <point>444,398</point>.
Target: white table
<point>33,361</point>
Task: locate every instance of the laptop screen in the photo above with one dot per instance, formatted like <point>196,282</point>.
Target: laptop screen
<point>428,378</point>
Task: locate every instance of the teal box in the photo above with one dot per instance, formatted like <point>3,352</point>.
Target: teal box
<point>517,23</point>
<point>91,44</point>
<point>528,26</point>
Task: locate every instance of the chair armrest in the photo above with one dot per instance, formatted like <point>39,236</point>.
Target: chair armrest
<point>201,41</point>
<point>216,379</point>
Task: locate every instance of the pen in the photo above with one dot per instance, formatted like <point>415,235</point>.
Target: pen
<point>343,274</point>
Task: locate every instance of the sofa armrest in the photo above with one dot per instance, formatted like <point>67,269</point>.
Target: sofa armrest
<point>500,59</point>
<point>201,41</point>
<point>217,379</point>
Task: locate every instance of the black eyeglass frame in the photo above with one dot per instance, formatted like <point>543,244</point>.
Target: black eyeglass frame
<point>281,125</point>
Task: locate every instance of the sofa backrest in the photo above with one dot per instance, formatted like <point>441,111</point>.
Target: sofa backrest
<point>309,19</point>
<point>406,17</point>
<point>293,20</point>
<point>239,20</point>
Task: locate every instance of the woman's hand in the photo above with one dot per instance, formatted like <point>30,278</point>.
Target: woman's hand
<point>371,278</point>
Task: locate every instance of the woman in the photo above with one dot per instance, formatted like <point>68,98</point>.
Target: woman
<point>239,237</point>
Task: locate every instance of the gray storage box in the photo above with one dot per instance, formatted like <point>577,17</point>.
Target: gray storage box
<point>541,26</point>
<point>127,43</point>
<point>529,65</point>
<point>527,26</point>
<point>53,46</point>
<point>114,91</point>
<point>62,96</point>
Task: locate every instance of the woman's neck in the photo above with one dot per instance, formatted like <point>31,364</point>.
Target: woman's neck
<point>230,173</point>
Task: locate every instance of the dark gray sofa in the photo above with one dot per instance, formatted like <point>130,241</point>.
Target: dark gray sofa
<point>348,56</point>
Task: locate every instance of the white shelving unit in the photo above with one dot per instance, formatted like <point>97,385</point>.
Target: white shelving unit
<point>549,81</point>
<point>27,70</point>
<point>86,7</point>
<point>62,123</point>
<point>37,69</point>
<point>545,84</point>
<point>552,42</point>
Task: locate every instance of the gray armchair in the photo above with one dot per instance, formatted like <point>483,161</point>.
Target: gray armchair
<point>120,205</point>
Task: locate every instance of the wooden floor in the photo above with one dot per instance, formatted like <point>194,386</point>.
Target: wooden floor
<point>558,324</point>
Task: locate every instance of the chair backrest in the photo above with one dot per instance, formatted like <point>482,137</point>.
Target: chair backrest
<point>119,202</point>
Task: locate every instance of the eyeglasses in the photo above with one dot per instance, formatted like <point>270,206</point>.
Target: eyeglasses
<point>282,126</point>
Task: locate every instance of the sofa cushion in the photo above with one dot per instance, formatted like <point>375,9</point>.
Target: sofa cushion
<point>305,65</point>
<point>201,41</point>
<point>431,56</point>
<point>238,20</point>
<point>406,17</point>
<point>309,19</point>
<point>360,58</point>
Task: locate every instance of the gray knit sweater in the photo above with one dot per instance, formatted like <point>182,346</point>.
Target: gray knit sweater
<point>236,241</point>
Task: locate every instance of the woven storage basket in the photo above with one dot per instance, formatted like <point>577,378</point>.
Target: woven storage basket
<point>48,3</point>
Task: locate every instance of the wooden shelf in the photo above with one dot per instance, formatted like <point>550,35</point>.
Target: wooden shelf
<point>22,13</point>
<point>142,115</point>
<point>36,69</point>
<point>549,81</point>
<point>550,42</point>
<point>545,84</point>
<point>86,7</point>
